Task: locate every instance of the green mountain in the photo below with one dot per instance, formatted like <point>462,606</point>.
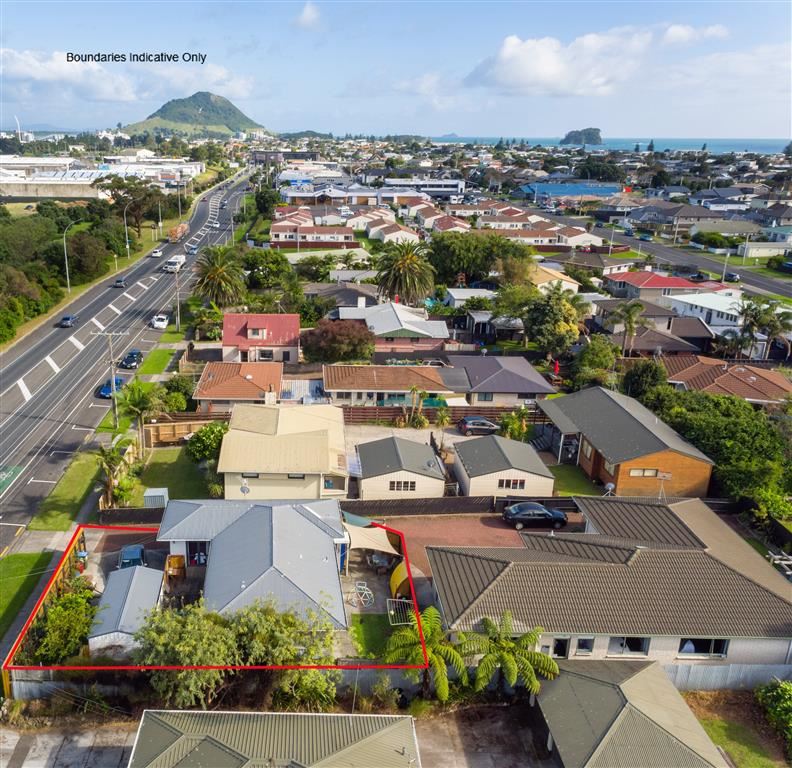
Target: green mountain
<point>584,136</point>
<point>202,114</point>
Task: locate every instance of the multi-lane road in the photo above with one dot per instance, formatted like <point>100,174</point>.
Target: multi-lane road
<point>49,380</point>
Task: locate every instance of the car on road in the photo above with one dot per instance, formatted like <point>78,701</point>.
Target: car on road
<point>732,277</point>
<point>698,277</point>
<point>106,390</point>
<point>68,321</point>
<point>645,238</point>
<point>215,225</point>
<point>474,425</point>
<point>156,253</point>
<point>120,282</point>
<point>531,513</point>
<point>131,555</point>
<point>159,322</point>
<point>191,250</point>
<point>132,360</point>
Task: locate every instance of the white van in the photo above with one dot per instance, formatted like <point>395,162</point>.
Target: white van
<point>174,263</point>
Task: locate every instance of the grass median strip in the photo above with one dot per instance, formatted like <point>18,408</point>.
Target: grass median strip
<point>60,508</point>
<point>19,575</point>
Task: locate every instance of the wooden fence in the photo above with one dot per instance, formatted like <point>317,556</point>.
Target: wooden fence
<point>173,431</point>
<point>366,414</point>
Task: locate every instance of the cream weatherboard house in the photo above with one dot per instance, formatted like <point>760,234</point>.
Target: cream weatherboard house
<point>395,468</point>
<point>284,452</point>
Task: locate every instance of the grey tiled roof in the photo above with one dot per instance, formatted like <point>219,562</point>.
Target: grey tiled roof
<point>509,375</point>
<point>392,454</point>
<point>619,427</point>
<point>679,592</point>
<point>493,453</point>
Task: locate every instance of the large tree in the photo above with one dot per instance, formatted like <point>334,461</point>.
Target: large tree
<point>220,277</point>
<point>130,194</point>
<point>335,341</point>
<point>553,323</point>
<point>111,459</point>
<point>595,362</point>
<point>642,376</point>
<point>405,272</point>
<point>628,314</point>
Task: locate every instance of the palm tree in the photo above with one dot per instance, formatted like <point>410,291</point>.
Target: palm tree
<point>405,645</point>
<point>729,343</point>
<point>405,272</point>
<point>442,420</point>
<point>628,314</point>
<point>111,459</point>
<point>777,325</point>
<point>513,659</point>
<point>754,314</point>
<point>220,277</point>
<point>137,401</point>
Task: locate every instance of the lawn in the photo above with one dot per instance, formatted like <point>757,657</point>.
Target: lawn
<point>571,481</point>
<point>19,575</point>
<point>775,274</point>
<point>742,743</point>
<point>156,362</point>
<point>370,633</point>
<point>60,508</point>
<point>508,345</point>
<point>106,424</point>
<point>170,468</point>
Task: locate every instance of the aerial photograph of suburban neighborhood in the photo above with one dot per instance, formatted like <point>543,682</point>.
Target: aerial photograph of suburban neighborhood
<point>395,384</point>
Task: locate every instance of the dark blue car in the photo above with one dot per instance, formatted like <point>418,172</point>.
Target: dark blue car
<point>131,555</point>
<point>107,389</point>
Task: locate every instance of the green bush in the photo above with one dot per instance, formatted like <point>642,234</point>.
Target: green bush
<point>206,442</point>
<point>776,698</point>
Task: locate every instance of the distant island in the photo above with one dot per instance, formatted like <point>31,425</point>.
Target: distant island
<point>584,136</point>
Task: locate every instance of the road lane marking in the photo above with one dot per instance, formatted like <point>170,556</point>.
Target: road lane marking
<point>65,453</point>
<point>52,364</point>
<point>23,388</point>
<point>49,482</point>
<point>98,405</point>
<point>144,287</point>
<point>131,298</point>
<point>97,324</point>
<point>115,309</point>
<point>83,429</point>
<point>77,343</point>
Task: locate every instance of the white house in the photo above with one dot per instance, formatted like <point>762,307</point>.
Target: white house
<point>575,236</point>
<point>457,297</point>
<point>497,466</point>
<point>395,468</point>
<point>395,233</point>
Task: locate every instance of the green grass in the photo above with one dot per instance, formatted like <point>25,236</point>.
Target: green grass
<point>775,274</point>
<point>171,335</point>
<point>60,508</point>
<point>156,362</point>
<point>571,481</point>
<point>19,575</point>
<point>743,744</point>
<point>106,424</point>
<point>171,468</point>
<point>370,633</point>
<point>508,345</point>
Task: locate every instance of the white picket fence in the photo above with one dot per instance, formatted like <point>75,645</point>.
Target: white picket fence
<point>716,677</point>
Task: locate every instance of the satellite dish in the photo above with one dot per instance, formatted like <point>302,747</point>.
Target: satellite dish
<point>245,490</point>
<point>609,489</point>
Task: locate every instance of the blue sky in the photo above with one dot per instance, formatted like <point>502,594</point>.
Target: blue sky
<point>640,68</point>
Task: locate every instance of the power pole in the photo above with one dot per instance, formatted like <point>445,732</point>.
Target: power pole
<point>178,302</point>
<point>109,336</point>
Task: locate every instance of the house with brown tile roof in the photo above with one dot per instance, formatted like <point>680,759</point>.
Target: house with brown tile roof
<point>382,384</point>
<point>718,377</point>
<point>223,384</point>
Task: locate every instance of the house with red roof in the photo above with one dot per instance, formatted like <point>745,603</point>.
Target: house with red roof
<point>651,286</point>
<point>255,338</point>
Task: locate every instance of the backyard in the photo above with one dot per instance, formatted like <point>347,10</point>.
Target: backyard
<point>571,481</point>
<point>170,468</point>
<point>370,633</point>
<point>19,575</point>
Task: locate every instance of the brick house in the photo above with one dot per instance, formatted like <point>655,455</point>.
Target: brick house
<point>254,338</point>
<point>616,440</point>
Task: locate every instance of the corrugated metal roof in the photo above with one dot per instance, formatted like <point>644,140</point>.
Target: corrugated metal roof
<point>128,594</point>
<point>392,454</point>
<point>218,739</point>
<point>493,453</point>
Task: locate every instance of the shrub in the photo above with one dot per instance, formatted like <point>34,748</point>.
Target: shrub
<point>383,692</point>
<point>206,442</point>
<point>419,421</point>
<point>776,698</point>
<point>420,707</point>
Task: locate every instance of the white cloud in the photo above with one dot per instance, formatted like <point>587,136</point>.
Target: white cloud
<point>309,16</point>
<point>429,87</point>
<point>683,33</point>
<point>593,64</point>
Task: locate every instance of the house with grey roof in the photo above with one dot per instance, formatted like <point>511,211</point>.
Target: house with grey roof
<point>128,595</point>
<point>286,552</point>
<point>599,714</point>
<point>496,466</point>
<point>620,443</point>
<point>647,580</point>
<point>395,468</point>
<point>500,380</point>
<point>179,739</point>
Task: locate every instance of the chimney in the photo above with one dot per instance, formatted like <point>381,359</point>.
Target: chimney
<point>361,302</point>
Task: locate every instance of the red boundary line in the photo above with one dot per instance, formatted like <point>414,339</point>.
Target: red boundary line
<point>7,665</point>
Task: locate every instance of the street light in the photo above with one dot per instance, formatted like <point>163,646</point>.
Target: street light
<point>126,229</point>
<point>66,257</point>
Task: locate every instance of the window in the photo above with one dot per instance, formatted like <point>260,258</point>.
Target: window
<point>485,397</point>
<point>265,354</point>
<point>609,468</point>
<point>585,646</point>
<point>698,646</point>
<point>250,474</point>
<point>401,485</point>
<point>586,449</point>
<point>197,552</point>
<point>628,646</point>
<point>389,338</point>
<point>295,476</point>
<point>560,647</point>
<point>343,395</point>
<point>515,485</point>
<point>643,473</point>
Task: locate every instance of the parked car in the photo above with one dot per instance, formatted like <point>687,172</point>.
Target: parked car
<point>131,555</point>
<point>120,282</point>
<point>159,322</point>
<point>132,359</point>
<point>68,321</point>
<point>107,388</point>
<point>475,425</point>
<point>645,238</point>
<point>528,513</point>
<point>732,277</point>
<point>156,253</point>
<point>698,277</point>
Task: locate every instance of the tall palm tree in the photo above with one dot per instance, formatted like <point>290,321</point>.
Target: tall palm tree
<point>111,458</point>
<point>442,420</point>
<point>220,277</point>
<point>513,659</point>
<point>405,645</point>
<point>777,325</point>
<point>628,314</point>
<point>729,343</point>
<point>404,271</point>
<point>137,401</point>
<point>754,314</point>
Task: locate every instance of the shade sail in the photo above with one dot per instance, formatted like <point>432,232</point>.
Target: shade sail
<point>370,538</point>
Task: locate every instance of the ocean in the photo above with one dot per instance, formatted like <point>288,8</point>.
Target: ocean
<point>714,146</point>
